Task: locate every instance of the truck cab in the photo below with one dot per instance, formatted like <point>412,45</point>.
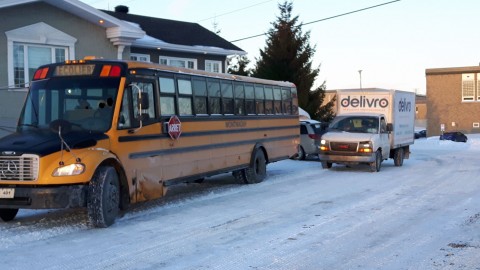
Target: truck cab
<point>356,138</point>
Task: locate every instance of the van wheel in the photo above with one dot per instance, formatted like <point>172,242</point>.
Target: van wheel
<point>398,156</point>
<point>375,166</point>
<point>301,153</point>
<point>326,165</point>
<point>103,197</point>
<point>256,172</point>
<point>7,214</point>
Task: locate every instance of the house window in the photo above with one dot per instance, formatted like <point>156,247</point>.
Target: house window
<point>140,57</point>
<point>178,62</point>
<point>27,58</point>
<point>468,87</point>
<point>213,66</point>
<point>34,45</point>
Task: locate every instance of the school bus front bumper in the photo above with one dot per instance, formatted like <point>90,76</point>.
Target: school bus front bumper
<point>35,197</point>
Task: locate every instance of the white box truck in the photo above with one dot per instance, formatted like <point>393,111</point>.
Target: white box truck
<point>371,126</point>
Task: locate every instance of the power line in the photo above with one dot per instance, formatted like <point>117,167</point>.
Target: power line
<point>236,10</point>
<point>324,19</point>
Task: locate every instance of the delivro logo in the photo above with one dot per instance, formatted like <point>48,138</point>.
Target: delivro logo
<point>364,102</point>
<point>404,105</point>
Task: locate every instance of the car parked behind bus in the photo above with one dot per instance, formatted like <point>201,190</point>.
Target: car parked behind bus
<point>310,134</point>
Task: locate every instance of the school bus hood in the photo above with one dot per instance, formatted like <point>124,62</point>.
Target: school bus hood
<point>45,142</point>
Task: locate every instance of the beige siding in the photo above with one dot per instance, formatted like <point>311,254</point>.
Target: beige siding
<point>91,39</point>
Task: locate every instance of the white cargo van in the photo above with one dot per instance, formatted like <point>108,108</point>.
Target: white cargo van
<point>371,125</point>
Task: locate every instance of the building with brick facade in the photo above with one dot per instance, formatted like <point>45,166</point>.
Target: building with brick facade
<point>453,102</point>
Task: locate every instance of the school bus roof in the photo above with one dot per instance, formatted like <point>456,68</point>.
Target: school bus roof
<point>147,65</point>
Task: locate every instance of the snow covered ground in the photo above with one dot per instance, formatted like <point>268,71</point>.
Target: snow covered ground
<point>424,215</point>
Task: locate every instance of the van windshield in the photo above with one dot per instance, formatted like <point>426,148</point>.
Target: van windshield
<point>80,103</point>
<point>359,124</point>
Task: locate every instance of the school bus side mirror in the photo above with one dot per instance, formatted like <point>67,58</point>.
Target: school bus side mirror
<point>144,101</point>
<point>143,104</point>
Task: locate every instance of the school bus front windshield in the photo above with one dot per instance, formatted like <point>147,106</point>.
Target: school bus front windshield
<point>84,103</point>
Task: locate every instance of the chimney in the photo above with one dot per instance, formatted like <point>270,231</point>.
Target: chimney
<point>121,9</point>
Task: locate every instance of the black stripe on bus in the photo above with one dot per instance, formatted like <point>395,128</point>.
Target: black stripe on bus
<point>221,117</point>
<point>204,147</point>
<point>199,133</point>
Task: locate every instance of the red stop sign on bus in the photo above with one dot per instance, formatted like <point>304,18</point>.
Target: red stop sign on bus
<point>174,127</point>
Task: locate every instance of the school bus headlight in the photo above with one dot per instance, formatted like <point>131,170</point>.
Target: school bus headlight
<point>69,170</point>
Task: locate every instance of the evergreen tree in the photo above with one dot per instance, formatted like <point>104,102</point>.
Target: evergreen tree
<point>287,56</point>
<point>239,66</point>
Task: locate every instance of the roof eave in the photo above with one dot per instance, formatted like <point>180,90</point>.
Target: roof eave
<point>160,45</point>
<point>116,29</point>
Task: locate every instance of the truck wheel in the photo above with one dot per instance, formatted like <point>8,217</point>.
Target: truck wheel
<point>103,197</point>
<point>301,153</point>
<point>7,214</point>
<point>326,165</point>
<point>398,156</point>
<point>375,166</point>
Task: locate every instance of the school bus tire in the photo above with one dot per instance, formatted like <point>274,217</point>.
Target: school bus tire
<point>257,171</point>
<point>8,214</point>
<point>103,202</point>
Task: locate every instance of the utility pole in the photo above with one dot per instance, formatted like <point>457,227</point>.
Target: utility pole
<point>360,73</point>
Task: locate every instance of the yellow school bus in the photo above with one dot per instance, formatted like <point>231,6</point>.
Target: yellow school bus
<point>104,134</point>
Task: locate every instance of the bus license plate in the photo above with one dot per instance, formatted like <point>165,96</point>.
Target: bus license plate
<point>7,193</point>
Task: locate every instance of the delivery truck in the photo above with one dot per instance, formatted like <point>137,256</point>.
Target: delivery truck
<point>371,125</point>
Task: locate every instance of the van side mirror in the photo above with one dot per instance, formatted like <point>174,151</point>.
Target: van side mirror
<point>389,127</point>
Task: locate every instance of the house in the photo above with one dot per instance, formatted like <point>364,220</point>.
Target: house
<point>38,32</point>
<point>453,99</point>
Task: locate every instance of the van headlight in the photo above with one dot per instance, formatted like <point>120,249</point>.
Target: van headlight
<point>69,170</point>
<point>324,145</point>
<point>365,147</point>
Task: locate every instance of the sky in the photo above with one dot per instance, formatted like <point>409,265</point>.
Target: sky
<point>391,44</point>
<point>423,215</point>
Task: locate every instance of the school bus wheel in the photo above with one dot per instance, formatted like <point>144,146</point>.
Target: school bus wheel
<point>7,214</point>
<point>256,172</point>
<point>103,197</point>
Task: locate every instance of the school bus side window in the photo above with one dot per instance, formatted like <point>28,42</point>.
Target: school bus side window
<point>249,99</point>
<point>129,110</point>
<point>214,96</point>
<point>269,100</point>
<point>277,97</point>
<point>227,98</point>
<point>259,99</point>
<point>148,114</point>
<point>286,101</point>
<point>167,96</point>
<point>200,91</point>
<point>239,99</point>
<point>185,97</point>
<point>125,115</point>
